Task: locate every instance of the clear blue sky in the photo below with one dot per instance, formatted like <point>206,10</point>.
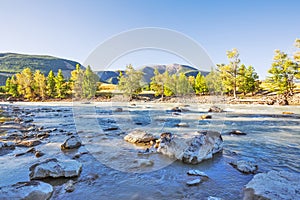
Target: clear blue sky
<point>73,28</point>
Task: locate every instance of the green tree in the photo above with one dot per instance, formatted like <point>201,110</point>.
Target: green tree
<point>89,85</point>
<point>229,72</point>
<point>60,85</point>
<point>11,87</point>
<point>39,81</point>
<point>214,82</point>
<point>51,84</point>
<point>297,57</point>
<point>183,86</point>
<point>247,79</point>
<point>76,82</point>
<point>170,85</point>
<point>282,74</point>
<point>131,82</point>
<point>200,84</point>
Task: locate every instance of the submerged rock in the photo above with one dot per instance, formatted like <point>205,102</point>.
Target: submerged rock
<point>71,143</point>
<point>139,136</point>
<point>280,185</point>
<point>55,168</point>
<point>193,150</point>
<point>182,124</point>
<point>194,182</point>
<point>195,172</point>
<point>244,166</point>
<point>29,143</point>
<point>236,132</point>
<point>36,190</point>
<point>7,145</point>
<point>69,186</point>
<point>213,198</point>
<point>143,162</point>
<point>215,109</point>
<point>205,117</point>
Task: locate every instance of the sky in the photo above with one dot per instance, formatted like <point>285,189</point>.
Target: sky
<point>73,29</point>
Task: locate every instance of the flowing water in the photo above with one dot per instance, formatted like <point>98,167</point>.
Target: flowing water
<point>272,141</point>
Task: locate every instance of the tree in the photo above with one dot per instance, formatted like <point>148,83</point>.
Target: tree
<point>247,79</point>
<point>60,85</point>
<point>229,72</point>
<point>297,58</point>
<point>158,82</point>
<point>11,86</point>
<point>131,82</point>
<point>282,74</point>
<point>89,85</point>
<point>183,86</point>
<point>76,82</point>
<point>170,85</point>
<point>39,81</point>
<point>200,84</point>
<point>51,84</point>
<point>214,82</point>
<point>25,83</point>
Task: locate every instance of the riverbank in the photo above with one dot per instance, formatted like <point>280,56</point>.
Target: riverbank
<point>202,99</point>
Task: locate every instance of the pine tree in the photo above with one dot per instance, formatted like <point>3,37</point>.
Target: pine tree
<point>39,84</point>
<point>76,82</point>
<point>200,84</point>
<point>183,86</point>
<point>89,83</point>
<point>297,58</point>
<point>247,79</point>
<point>51,84</point>
<point>214,82</point>
<point>282,74</point>
<point>60,85</point>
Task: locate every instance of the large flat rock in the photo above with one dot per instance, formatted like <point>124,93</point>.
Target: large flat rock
<point>275,185</point>
<point>36,190</point>
<point>55,168</point>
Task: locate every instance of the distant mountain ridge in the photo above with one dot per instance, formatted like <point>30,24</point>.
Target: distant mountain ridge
<point>112,76</point>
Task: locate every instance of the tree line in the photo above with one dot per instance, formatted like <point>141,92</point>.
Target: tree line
<point>36,86</point>
<point>231,78</point>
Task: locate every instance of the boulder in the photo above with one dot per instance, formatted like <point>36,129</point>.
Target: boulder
<point>71,143</point>
<point>215,109</point>
<point>55,168</point>
<point>247,167</point>
<point>139,136</point>
<point>278,185</point>
<point>193,149</point>
<point>36,190</point>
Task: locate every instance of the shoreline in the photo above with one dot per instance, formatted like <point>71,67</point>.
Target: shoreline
<point>209,100</point>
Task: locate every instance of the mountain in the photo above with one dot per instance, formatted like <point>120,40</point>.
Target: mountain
<point>111,76</point>
<point>11,63</point>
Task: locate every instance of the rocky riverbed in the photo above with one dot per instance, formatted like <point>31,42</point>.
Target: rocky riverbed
<point>75,151</point>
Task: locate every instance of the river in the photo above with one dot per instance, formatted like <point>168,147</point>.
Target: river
<point>109,169</point>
